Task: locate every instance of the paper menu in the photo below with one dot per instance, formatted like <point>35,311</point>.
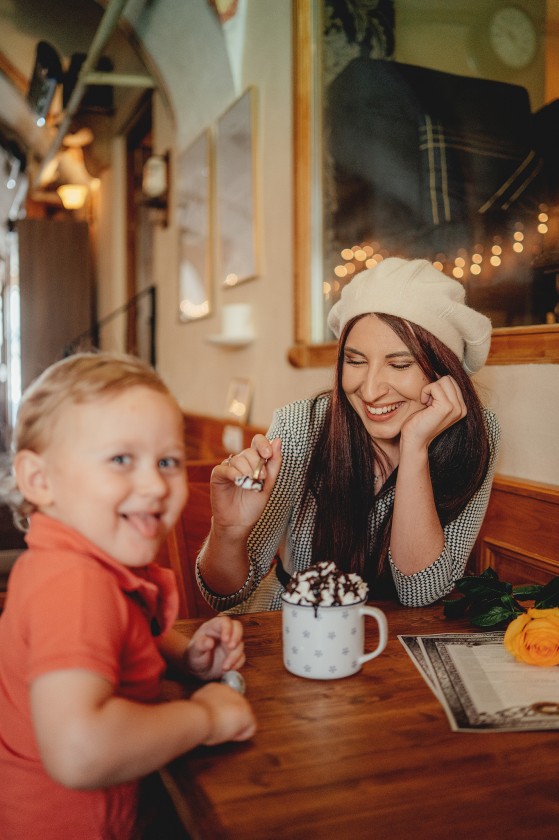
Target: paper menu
<point>481,687</point>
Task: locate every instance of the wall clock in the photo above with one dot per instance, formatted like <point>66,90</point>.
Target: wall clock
<point>512,37</point>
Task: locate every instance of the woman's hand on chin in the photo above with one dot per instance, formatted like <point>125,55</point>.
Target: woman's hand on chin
<point>443,406</point>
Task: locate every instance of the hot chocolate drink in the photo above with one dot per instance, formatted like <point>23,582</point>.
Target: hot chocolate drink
<point>324,585</point>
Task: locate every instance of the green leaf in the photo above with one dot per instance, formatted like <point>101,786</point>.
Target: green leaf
<point>527,591</point>
<point>496,615</point>
<point>479,586</point>
<point>513,605</point>
<point>549,595</point>
<point>455,608</point>
<point>489,601</point>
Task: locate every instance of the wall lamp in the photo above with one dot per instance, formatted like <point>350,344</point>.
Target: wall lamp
<point>155,187</point>
<point>72,196</point>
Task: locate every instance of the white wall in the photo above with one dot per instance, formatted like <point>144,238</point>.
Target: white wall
<point>186,40</point>
<point>200,83</point>
<point>526,400</point>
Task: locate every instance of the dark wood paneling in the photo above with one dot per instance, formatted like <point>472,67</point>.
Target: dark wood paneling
<point>56,290</point>
<point>184,542</point>
<point>204,436</point>
<point>204,442</point>
<point>519,537</point>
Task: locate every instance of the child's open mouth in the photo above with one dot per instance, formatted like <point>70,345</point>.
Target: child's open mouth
<point>148,525</point>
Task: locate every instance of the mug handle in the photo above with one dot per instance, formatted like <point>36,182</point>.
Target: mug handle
<point>382,632</point>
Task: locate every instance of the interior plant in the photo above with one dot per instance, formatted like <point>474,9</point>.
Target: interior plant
<point>490,602</point>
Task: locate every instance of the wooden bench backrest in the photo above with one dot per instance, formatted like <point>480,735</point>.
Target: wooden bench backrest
<point>185,540</point>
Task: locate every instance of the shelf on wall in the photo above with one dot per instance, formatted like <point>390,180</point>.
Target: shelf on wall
<point>230,341</point>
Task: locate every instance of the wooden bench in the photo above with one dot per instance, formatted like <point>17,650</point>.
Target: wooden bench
<point>205,448</point>
<point>185,540</point>
<point>204,436</point>
<point>519,537</point>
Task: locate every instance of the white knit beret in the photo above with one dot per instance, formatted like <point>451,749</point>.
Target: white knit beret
<point>420,293</point>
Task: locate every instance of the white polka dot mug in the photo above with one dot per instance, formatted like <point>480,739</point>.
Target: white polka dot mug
<point>326,643</point>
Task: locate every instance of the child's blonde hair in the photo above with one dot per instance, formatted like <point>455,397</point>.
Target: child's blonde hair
<point>83,377</point>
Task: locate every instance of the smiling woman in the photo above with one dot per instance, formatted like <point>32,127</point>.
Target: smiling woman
<point>382,382</point>
<point>388,475</point>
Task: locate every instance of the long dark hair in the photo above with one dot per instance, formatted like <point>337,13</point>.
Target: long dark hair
<point>339,477</point>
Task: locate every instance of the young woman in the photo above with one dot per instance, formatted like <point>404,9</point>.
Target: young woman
<point>388,475</point>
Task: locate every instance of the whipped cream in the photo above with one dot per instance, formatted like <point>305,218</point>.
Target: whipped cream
<point>324,585</point>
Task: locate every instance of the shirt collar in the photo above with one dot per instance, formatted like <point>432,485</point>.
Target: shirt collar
<point>152,586</point>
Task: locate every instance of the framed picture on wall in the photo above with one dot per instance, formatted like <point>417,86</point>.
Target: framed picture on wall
<point>239,399</point>
<point>194,182</point>
<point>236,192</point>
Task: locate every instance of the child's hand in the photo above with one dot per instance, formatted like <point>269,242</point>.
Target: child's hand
<point>231,715</point>
<point>217,646</point>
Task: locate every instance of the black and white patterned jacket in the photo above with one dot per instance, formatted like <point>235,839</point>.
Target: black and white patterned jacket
<point>278,529</point>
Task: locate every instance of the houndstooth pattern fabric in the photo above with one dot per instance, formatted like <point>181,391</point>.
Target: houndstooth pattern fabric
<point>278,529</point>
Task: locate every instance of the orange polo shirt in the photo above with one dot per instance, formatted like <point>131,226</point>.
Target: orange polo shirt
<point>70,605</point>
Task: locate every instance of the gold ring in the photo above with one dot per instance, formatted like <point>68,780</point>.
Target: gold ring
<point>228,460</point>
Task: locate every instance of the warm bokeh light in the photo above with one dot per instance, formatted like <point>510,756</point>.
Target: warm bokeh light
<point>194,310</point>
<point>72,196</point>
<point>463,263</point>
<point>238,408</point>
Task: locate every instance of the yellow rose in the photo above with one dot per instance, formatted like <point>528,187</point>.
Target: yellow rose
<point>533,637</point>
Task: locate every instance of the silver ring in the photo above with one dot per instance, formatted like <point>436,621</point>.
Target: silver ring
<point>228,460</point>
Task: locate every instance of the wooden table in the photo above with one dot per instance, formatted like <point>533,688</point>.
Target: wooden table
<point>369,756</point>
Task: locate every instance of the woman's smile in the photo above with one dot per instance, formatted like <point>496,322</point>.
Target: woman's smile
<point>381,378</point>
<point>381,412</point>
